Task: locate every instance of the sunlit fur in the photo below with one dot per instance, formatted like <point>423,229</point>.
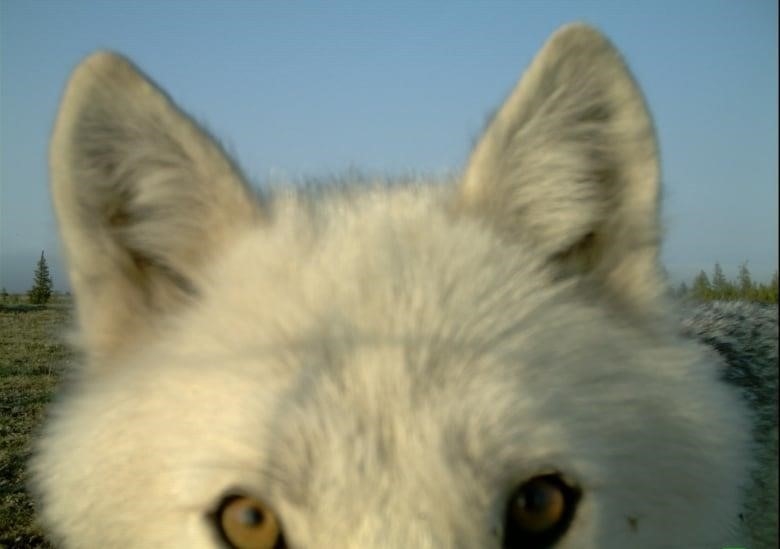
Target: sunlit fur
<point>382,365</point>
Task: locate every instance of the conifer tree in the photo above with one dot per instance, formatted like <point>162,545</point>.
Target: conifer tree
<point>701,289</point>
<point>746,288</point>
<point>721,287</point>
<point>42,284</point>
<point>772,293</point>
<point>743,288</point>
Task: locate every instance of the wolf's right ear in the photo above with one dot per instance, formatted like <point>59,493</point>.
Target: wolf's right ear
<point>569,165</point>
<point>143,196</point>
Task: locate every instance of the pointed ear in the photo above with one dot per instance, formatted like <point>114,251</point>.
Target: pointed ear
<point>569,166</point>
<point>144,199</point>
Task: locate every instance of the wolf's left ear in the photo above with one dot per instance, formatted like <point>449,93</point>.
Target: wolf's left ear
<point>569,165</point>
<point>144,198</point>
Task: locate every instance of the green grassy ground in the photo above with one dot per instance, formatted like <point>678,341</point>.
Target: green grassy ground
<point>32,360</point>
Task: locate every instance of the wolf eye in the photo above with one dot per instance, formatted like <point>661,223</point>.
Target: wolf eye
<point>539,512</point>
<point>246,523</point>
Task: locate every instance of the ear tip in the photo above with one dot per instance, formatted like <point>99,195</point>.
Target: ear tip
<point>578,30</point>
<point>581,36</point>
<point>99,75</point>
<point>100,58</point>
<point>103,65</point>
<point>102,75</point>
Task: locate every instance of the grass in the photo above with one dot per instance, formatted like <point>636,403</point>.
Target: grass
<point>32,360</point>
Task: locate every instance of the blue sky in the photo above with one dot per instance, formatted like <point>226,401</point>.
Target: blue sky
<point>314,88</point>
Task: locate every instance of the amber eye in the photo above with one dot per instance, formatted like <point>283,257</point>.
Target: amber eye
<point>246,523</point>
<point>539,512</point>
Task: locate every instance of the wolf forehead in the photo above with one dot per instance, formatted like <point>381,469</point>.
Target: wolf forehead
<point>384,263</point>
<point>385,310</point>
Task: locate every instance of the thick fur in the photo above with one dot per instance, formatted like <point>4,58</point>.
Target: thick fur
<point>383,364</point>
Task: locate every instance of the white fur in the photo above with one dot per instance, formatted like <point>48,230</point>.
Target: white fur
<point>381,365</point>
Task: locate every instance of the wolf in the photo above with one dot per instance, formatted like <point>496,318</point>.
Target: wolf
<point>488,362</point>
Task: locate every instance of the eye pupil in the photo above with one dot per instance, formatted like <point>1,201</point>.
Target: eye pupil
<point>539,504</point>
<point>247,523</point>
<point>539,512</point>
<point>251,516</point>
<point>534,499</point>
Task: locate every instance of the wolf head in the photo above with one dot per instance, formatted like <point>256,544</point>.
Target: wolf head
<point>490,363</point>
